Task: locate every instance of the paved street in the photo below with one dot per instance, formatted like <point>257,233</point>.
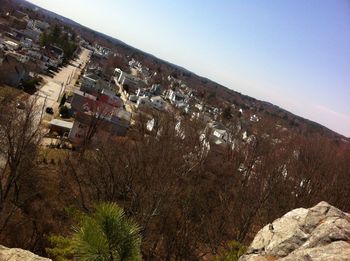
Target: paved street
<point>129,106</point>
<point>48,95</point>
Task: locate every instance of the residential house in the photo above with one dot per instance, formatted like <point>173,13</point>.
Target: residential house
<point>20,57</point>
<point>135,64</point>
<point>175,98</point>
<point>203,116</point>
<point>145,72</point>
<point>151,124</point>
<point>114,123</point>
<point>220,134</point>
<point>143,92</point>
<point>60,126</point>
<point>82,100</point>
<point>101,51</point>
<point>128,81</point>
<point>52,62</point>
<point>12,71</point>
<point>18,23</point>
<point>11,45</point>
<point>18,20</point>
<point>199,106</point>
<point>14,35</point>
<point>158,103</point>
<point>56,51</point>
<point>26,43</point>
<point>32,33</point>
<point>92,83</point>
<point>143,102</point>
<point>89,81</point>
<point>42,25</point>
<point>34,54</point>
<point>157,89</point>
<point>102,112</point>
<point>20,15</point>
<point>42,66</point>
<point>110,93</point>
<point>52,56</point>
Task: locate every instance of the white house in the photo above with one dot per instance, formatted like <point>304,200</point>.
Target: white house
<point>143,102</point>
<point>127,80</point>
<point>150,124</point>
<point>175,97</point>
<point>92,83</point>
<point>221,134</point>
<point>158,103</point>
<point>11,45</point>
<point>143,92</point>
<point>199,106</point>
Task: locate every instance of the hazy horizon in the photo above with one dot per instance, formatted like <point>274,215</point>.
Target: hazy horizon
<point>294,54</point>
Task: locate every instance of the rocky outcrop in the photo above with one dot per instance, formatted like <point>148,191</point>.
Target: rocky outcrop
<point>17,254</point>
<point>319,233</point>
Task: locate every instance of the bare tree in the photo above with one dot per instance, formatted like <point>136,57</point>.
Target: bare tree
<point>20,135</point>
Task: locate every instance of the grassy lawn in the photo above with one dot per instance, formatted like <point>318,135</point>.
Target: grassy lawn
<point>52,156</point>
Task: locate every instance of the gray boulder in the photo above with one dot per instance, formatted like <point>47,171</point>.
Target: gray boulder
<point>319,233</point>
<point>17,254</point>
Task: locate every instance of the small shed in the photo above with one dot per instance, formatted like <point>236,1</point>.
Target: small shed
<point>60,126</point>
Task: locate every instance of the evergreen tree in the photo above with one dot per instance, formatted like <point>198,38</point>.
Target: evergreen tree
<point>106,235</point>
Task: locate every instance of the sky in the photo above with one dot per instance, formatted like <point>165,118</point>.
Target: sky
<point>292,53</point>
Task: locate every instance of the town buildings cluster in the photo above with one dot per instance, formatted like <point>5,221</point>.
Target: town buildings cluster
<point>100,102</point>
<point>21,54</point>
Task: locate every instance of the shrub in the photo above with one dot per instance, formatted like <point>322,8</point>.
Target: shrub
<point>64,111</point>
<point>126,87</point>
<point>63,100</point>
<point>233,252</point>
<point>30,84</point>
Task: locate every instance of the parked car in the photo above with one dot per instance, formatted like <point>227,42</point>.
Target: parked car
<point>20,105</point>
<point>49,110</point>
